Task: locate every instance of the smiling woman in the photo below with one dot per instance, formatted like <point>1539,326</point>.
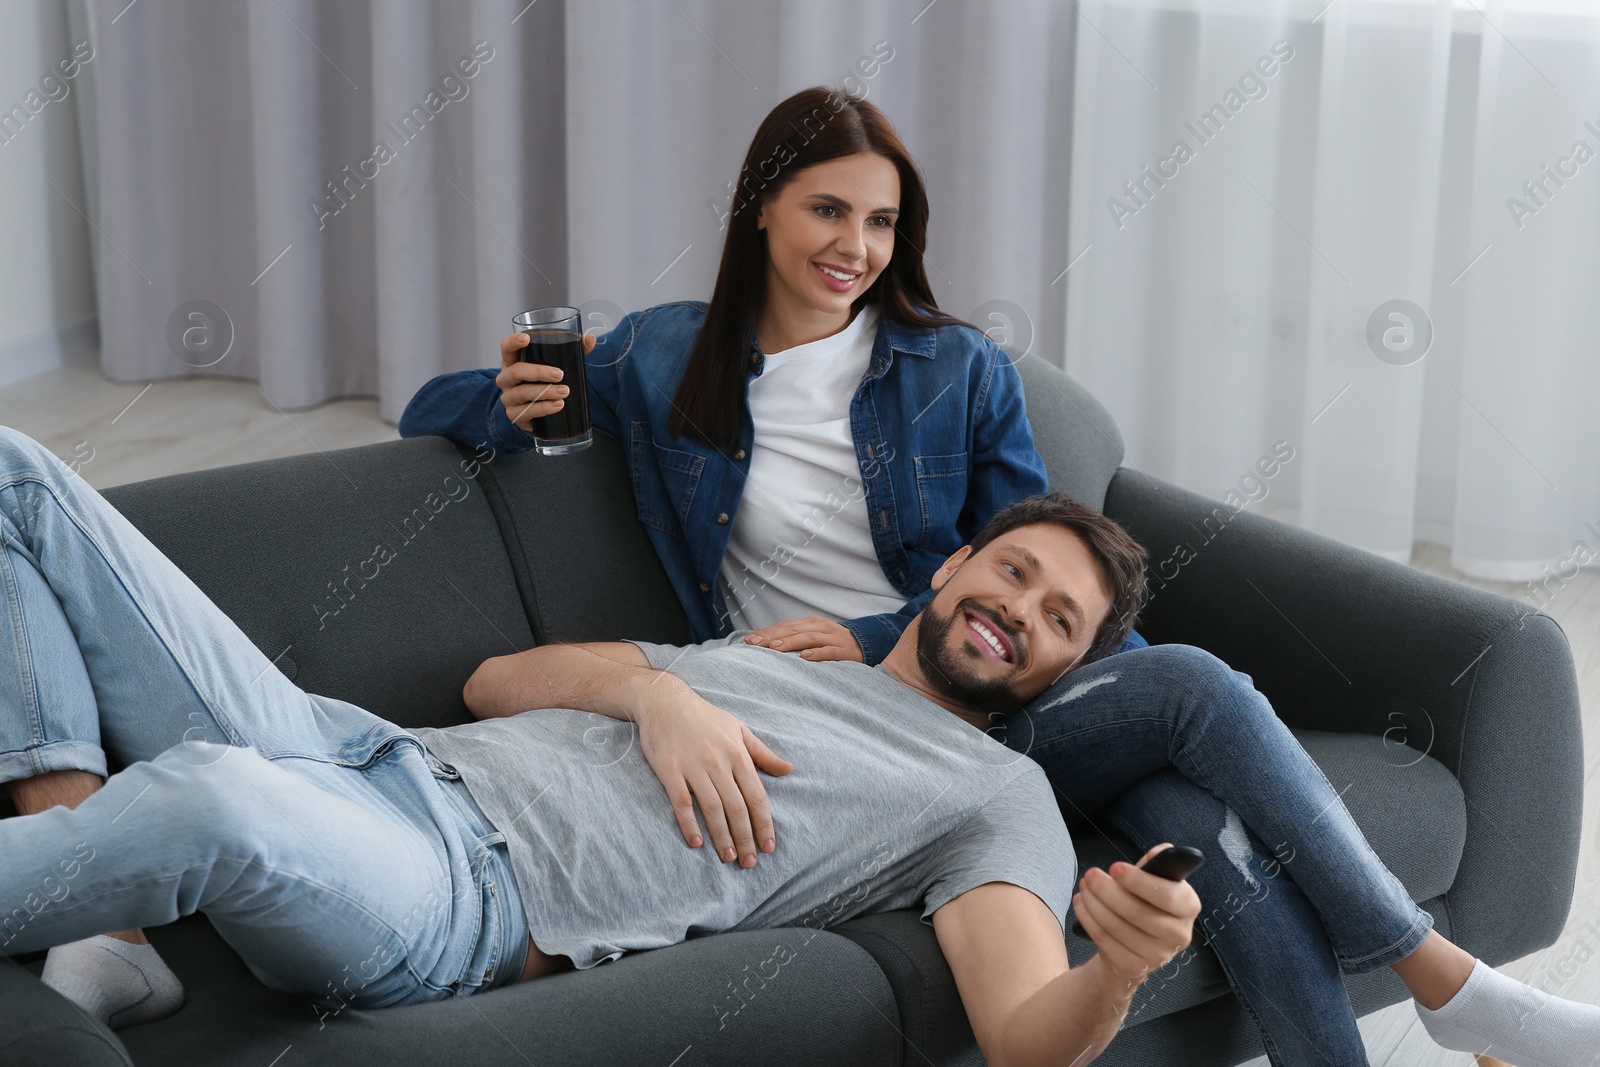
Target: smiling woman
<point>820,380</point>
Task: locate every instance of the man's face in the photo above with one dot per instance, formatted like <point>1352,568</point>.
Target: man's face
<point>1036,592</point>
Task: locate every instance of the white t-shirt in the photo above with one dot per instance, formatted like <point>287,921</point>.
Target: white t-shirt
<point>801,543</point>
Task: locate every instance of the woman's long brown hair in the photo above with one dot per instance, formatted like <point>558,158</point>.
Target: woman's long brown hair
<point>812,126</point>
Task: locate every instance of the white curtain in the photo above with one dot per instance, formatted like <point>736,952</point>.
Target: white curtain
<point>234,173</point>
<point>1370,152</point>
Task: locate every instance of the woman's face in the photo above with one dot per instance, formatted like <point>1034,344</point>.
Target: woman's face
<point>839,214</point>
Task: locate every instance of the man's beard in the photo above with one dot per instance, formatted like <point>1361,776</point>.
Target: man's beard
<point>952,671</point>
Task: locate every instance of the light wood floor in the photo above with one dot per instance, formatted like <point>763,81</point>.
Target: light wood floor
<point>198,423</point>
<point>133,432</point>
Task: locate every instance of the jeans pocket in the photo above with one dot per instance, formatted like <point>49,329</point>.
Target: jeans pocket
<point>482,964</point>
<point>358,751</point>
<point>445,772</point>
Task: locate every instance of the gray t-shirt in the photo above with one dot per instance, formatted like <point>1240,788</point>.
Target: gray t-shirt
<point>892,801</point>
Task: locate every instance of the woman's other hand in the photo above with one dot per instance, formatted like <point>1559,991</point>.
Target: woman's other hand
<point>530,390</point>
<point>813,637</point>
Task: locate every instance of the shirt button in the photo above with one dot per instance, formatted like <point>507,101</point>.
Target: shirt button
<point>704,588</point>
<point>723,518</point>
<point>739,454</point>
<point>755,358</point>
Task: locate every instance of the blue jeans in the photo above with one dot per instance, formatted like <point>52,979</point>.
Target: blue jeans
<point>324,844</point>
<point>1167,743</point>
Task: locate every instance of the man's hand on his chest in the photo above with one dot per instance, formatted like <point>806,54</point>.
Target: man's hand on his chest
<point>703,754</point>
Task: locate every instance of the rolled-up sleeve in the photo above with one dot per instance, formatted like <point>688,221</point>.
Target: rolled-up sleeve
<point>464,406</point>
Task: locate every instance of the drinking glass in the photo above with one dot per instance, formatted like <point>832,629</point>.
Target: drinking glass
<point>555,339</point>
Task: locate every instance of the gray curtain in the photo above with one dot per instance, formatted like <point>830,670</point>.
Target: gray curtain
<point>363,194</point>
<point>583,164</point>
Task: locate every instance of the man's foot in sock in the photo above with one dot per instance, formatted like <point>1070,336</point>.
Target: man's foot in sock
<point>1493,1015</point>
<point>118,983</point>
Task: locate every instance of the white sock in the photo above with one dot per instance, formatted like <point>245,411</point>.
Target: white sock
<point>1493,1015</point>
<point>118,983</point>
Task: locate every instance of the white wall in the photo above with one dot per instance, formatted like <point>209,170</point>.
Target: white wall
<point>46,282</point>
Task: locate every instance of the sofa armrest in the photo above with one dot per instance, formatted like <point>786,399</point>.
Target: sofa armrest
<point>1342,639</point>
<point>41,1028</point>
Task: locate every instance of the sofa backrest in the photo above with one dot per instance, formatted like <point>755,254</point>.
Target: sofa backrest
<point>375,575</point>
<point>383,575</point>
<point>580,554</point>
<point>1075,434</point>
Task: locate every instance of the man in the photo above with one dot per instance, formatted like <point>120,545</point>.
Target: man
<point>340,858</point>
<point>340,855</point>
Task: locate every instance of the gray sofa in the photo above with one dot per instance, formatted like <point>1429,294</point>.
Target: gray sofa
<point>1450,714</point>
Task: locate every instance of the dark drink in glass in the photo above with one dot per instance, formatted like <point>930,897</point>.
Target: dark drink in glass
<point>555,339</point>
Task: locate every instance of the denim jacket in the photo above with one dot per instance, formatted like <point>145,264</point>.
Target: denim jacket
<point>941,434</point>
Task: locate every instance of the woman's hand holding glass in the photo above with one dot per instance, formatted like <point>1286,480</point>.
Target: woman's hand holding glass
<point>530,391</point>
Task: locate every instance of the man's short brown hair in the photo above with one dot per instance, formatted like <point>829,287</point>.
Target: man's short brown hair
<point>1121,558</point>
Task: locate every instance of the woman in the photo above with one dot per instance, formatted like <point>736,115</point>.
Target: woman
<point>819,436</point>
<point>810,447</point>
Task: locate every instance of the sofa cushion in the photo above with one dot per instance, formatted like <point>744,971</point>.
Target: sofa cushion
<point>752,997</point>
<point>53,1030</point>
<point>586,569</point>
<point>931,1018</point>
<point>374,575</point>
<point>1377,778</point>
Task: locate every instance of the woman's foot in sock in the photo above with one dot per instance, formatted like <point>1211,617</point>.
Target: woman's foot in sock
<point>1493,1015</point>
<point>118,983</point>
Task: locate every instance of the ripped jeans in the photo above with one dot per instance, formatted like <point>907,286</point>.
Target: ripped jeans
<point>1168,743</point>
